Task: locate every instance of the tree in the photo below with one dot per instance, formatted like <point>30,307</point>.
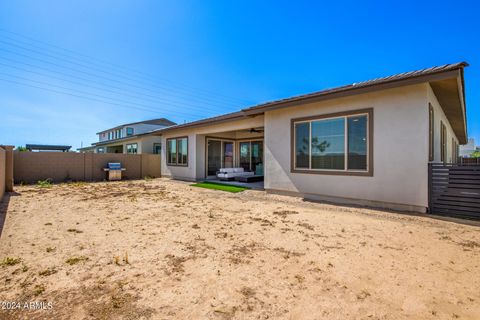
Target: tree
<point>320,146</point>
<point>475,154</point>
<point>20,148</point>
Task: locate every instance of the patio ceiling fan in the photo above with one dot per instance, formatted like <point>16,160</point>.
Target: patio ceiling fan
<point>256,130</point>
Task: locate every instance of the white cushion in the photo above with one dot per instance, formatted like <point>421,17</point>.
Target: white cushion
<point>235,174</point>
<point>238,170</point>
<point>227,170</point>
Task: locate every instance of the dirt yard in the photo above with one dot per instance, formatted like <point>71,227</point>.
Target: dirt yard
<point>161,249</point>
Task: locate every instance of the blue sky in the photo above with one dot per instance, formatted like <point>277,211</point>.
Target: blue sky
<point>74,68</point>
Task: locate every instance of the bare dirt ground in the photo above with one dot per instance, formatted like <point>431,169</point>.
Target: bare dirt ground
<point>161,249</point>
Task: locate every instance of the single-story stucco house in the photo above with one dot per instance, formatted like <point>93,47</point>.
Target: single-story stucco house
<point>368,143</point>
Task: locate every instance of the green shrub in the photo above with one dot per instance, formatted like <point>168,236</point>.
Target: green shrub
<point>47,183</point>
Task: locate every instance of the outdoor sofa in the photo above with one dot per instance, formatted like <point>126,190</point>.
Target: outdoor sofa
<point>232,173</point>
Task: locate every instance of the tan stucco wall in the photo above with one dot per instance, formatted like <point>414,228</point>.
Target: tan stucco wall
<point>196,145</point>
<point>439,116</point>
<point>2,172</point>
<point>145,144</point>
<point>400,142</point>
<point>31,167</point>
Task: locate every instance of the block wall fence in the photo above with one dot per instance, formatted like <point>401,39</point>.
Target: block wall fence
<point>30,167</point>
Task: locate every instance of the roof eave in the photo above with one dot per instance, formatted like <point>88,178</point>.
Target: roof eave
<point>352,90</point>
<point>100,143</point>
<point>200,123</point>
<point>450,93</point>
<point>461,90</point>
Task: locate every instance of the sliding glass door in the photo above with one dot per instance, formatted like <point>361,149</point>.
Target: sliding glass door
<point>227,154</point>
<point>257,157</point>
<point>245,155</point>
<point>220,154</point>
<point>251,156</point>
<point>214,157</point>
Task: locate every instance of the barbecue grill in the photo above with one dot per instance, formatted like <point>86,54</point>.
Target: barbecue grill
<point>114,171</point>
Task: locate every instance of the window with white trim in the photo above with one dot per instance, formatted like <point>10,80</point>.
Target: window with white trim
<point>132,148</point>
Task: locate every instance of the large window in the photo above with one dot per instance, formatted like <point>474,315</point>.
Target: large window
<point>129,131</point>
<point>177,151</point>
<point>357,142</point>
<point>337,143</point>
<point>132,148</point>
<point>327,144</point>
<point>430,133</point>
<point>302,145</point>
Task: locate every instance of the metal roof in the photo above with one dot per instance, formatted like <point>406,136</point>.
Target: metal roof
<point>215,119</point>
<point>364,84</point>
<point>100,143</point>
<point>406,78</point>
<point>159,121</point>
<point>47,147</point>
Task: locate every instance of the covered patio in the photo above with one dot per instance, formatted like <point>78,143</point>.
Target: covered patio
<point>200,150</point>
<point>240,152</point>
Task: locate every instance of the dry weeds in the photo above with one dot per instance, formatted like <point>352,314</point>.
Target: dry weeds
<point>161,249</point>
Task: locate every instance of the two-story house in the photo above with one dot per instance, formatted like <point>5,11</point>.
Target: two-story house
<point>467,149</point>
<point>130,138</point>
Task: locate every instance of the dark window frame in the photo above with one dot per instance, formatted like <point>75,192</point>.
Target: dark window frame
<point>431,133</point>
<point>346,172</point>
<point>454,150</point>
<point>167,150</point>
<point>443,142</point>
<point>157,145</point>
<point>250,141</point>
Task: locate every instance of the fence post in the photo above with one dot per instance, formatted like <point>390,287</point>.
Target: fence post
<point>429,209</point>
<point>8,168</point>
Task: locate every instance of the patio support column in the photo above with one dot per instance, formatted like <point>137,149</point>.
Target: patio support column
<point>8,168</point>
